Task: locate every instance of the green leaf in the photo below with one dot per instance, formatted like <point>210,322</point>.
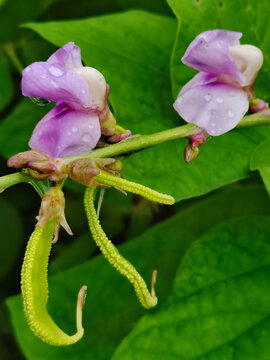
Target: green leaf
<point>260,160</point>
<point>112,308</point>
<point>220,304</point>
<point>11,235</point>
<point>6,84</point>
<point>17,127</point>
<point>125,46</point>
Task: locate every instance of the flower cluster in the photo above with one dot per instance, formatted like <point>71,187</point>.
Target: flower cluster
<point>217,97</point>
<point>73,125</point>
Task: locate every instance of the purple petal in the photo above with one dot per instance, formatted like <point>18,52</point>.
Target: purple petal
<point>209,52</point>
<point>68,57</point>
<point>214,106</point>
<point>53,79</point>
<point>65,131</point>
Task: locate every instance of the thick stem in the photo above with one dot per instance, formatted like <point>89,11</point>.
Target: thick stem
<point>139,142</point>
<point>144,141</point>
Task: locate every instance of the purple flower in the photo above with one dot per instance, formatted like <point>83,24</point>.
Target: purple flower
<point>217,97</point>
<point>72,126</point>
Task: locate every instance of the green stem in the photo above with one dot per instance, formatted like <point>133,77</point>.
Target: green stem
<point>259,118</point>
<point>144,141</point>
<point>139,142</point>
<point>13,179</point>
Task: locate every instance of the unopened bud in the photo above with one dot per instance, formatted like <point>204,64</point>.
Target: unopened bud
<point>256,105</point>
<point>22,159</point>
<point>190,153</point>
<point>119,137</point>
<point>107,124</point>
<point>198,139</point>
<point>39,166</point>
<point>83,171</point>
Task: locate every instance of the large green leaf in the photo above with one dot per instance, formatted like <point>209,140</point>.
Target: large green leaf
<point>260,160</point>
<point>220,304</point>
<point>112,309</point>
<point>6,85</point>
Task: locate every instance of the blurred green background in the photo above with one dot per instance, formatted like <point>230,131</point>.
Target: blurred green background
<point>124,218</point>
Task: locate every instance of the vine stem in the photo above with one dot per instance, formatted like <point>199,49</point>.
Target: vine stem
<point>141,142</point>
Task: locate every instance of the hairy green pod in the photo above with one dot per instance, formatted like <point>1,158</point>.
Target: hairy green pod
<point>152,195</point>
<point>110,252</point>
<point>34,285</point>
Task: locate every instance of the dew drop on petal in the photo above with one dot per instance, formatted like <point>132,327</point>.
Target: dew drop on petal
<point>219,100</point>
<point>68,133</point>
<point>43,76</point>
<point>74,129</point>
<point>83,91</point>
<point>86,138</point>
<point>56,71</point>
<point>230,114</point>
<point>207,97</point>
<point>213,124</point>
<point>90,127</point>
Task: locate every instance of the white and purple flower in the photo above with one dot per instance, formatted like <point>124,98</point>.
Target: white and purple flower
<point>72,126</point>
<point>217,97</point>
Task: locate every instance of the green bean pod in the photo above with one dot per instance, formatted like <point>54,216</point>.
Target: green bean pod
<point>110,252</point>
<point>34,285</point>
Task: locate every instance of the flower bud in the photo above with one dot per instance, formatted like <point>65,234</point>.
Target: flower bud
<point>83,171</point>
<point>256,105</point>
<point>190,153</point>
<point>39,166</point>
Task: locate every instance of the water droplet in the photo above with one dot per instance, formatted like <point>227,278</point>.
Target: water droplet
<point>43,76</point>
<point>74,129</point>
<point>54,84</point>
<point>90,127</point>
<point>207,97</point>
<point>230,114</point>
<point>86,138</point>
<point>68,133</point>
<point>83,91</point>
<point>219,100</point>
<point>213,124</point>
<point>56,71</point>
<point>218,46</point>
